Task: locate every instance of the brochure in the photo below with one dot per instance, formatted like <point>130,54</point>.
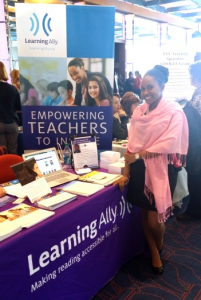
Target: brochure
<point>100,178</point>
<point>82,188</point>
<point>20,216</point>
<point>31,179</point>
<point>53,202</point>
<point>85,152</point>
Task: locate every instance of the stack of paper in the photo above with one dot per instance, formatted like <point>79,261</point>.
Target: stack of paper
<point>108,157</point>
<point>56,201</point>
<point>82,188</point>
<point>100,178</point>
<point>116,168</point>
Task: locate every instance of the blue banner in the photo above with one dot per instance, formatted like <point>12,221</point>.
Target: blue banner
<point>44,127</point>
<point>66,61</point>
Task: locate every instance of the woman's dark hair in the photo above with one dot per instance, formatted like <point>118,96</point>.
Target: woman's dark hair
<point>195,70</point>
<point>102,89</point>
<point>78,62</point>
<point>27,85</point>
<point>117,95</point>
<point>30,165</point>
<point>160,74</point>
<point>66,84</point>
<point>127,101</point>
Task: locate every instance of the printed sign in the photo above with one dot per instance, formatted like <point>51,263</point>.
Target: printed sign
<point>66,60</point>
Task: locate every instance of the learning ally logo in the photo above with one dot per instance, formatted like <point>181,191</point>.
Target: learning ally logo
<point>45,24</point>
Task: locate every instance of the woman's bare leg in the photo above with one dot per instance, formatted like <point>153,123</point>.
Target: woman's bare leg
<point>152,234</point>
<point>156,228</point>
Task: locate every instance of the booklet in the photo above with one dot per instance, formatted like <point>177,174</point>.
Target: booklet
<point>20,216</point>
<point>53,202</point>
<point>82,188</point>
<point>100,178</point>
<point>31,179</point>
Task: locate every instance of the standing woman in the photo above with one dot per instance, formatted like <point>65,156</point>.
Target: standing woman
<point>9,104</point>
<point>158,134</point>
<point>97,94</point>
<point>81,76</point>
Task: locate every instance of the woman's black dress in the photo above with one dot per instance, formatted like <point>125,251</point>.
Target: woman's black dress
<point>136,194</point>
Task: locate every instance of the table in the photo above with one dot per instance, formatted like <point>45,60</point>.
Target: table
<point>73,254</point>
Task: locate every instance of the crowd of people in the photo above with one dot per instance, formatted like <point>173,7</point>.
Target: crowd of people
<point>162,137</point>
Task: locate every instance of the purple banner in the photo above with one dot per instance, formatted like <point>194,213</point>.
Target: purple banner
<point>44,127</point>
<point>73,254</point>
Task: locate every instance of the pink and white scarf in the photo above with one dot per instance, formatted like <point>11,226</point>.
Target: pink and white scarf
<point>163,133</point>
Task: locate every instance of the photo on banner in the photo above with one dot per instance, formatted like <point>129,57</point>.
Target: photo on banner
<point>40,78</point>
<point>92,80</point>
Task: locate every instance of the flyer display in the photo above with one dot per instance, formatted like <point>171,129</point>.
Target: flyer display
<point>85,153</point>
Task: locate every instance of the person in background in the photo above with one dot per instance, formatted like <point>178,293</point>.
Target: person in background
<point>137,83</point>
<point>129,102</point>
<point>158,135</point>
<point>119,131</point>
<point>53,98</point>
<point>15,79</point>
<point>9,104</point>
<point>193,162</point>
<point>129,83</point>
<point>65,89</point>
<point>97,94</point>
<point>80,76</point>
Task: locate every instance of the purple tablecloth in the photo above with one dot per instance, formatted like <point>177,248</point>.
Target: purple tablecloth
<point>73,254</point>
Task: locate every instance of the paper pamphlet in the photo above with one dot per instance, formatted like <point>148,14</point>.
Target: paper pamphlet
<point>56,201</point>
<point>20,216</point>
<point>32,181</point>
<point>82,188</point>
<point>100,178</point>
<point>15,190</point>
<point>85,153</point>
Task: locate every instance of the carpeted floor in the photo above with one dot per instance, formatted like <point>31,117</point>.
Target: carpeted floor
<point>182,277</point>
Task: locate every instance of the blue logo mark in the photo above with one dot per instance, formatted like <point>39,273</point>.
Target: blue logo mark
<point>46,27</point>
<point>32,24</point>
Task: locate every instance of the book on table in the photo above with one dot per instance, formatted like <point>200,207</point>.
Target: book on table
<point>53,202</point>
<point>21,216</point>
<point>100,178</point>
<point>82,188</point>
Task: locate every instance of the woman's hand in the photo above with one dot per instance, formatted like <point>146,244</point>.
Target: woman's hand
<point>122,182</point>
<point>2,192</point>
<point>129,158</point>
